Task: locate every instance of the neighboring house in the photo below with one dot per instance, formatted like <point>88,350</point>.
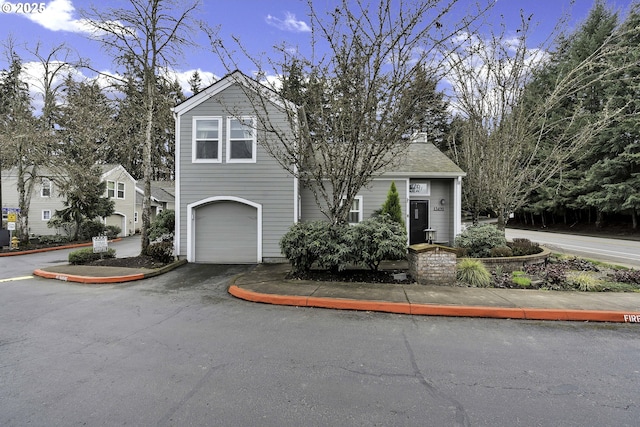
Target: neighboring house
<point>46,198</point>
<point>121,188</point>
<point>234,201</point>
<point>162,198</point>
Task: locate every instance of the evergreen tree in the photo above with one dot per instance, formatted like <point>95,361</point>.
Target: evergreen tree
<point>561,194</point>
<point>19,142</point>
<point>195,82</point>
<point>614,175</point>
<point>428,108</point>
<point>392,206</point>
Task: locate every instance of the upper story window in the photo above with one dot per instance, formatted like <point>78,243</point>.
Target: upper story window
<point>206,140</point>
<point>111,189</point>
<point>241,140</point>
<point>45,191</point>
<point>115,190</point>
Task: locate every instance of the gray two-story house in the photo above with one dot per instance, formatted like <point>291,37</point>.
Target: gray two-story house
<point>234,201</point>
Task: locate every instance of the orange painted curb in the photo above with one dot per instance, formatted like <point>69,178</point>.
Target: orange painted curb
<point>88,279</point>
<point>434,310</point>
<point>53,248</point>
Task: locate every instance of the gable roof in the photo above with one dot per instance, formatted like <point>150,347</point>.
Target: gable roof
<point>109,169</point>
<point>234,77</point>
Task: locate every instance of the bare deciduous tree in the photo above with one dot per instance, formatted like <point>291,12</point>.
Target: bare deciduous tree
<point>348,119</point>
<point>511,141</point>
<point>151,36</point>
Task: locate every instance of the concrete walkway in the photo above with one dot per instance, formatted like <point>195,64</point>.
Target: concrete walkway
<point>266,283</point>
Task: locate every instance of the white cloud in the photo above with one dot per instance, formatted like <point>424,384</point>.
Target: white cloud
<point>207,78</point>
<point>58,15</point>
<point>289,23</point>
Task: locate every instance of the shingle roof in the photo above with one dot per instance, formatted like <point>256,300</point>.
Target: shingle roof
<point>424,159</point>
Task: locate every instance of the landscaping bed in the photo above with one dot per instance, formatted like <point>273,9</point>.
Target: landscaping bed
<point>558,274</point>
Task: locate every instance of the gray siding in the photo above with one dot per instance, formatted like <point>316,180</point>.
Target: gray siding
<point>264,182</point>
<point>373,196</point>
<point>440,220</point>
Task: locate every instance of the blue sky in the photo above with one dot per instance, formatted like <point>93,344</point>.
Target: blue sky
<point>260,24</point>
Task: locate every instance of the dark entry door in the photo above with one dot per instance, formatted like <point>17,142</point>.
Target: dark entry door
<point>419,221</point>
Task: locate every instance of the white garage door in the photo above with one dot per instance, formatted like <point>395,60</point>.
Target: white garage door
<point>117,220</point>
<point>226,232</point>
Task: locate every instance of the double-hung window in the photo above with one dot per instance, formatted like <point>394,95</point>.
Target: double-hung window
<point>355,212</point>
<point>241,140</point>
<point>120,192</point>
<point>206,140</point>
<point>46,188</point>
<point>111,189</point>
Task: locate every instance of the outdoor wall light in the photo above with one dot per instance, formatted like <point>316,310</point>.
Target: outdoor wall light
<point>443,201</point>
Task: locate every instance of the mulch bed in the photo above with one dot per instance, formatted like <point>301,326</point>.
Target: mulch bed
<point>353,276</point>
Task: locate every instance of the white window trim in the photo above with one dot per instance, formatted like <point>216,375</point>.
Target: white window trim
<point>254,143</point>
<point>194,150</point>
<point>114,189</point>
<point>43,212</point>
<point>360,211</point>
<point>124,194</point>
<point>43,187</point>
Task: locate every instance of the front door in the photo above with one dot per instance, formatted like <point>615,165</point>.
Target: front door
<point>419,221</point>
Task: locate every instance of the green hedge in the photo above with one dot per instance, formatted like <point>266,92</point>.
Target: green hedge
<point>86,255</point>
<point>336,246</point>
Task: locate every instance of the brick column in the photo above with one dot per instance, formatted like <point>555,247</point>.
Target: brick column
<point>432,264</point>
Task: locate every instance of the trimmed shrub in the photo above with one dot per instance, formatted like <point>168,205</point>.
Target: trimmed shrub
<point>54,239</point>
<point>479,240</point>
<point>315,241</point>
<point>161,251</point>
<point>501,251</point>
<point>112,231</point>
<point>86,255</point>
<point>521,247</point>
<point>473,272</point>
<point>90,228</point>
<point>377,239</point>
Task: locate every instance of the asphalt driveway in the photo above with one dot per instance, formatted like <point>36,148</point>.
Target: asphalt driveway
<point>178,350</point>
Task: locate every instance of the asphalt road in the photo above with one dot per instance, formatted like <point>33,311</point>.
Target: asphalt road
<point>622,252</point>
<point>177,350</point>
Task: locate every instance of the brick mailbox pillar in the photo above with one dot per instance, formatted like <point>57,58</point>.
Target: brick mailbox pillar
<point>432,264</point>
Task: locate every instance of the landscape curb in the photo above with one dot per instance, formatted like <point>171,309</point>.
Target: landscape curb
<point>109,279</point>
<point>53,248</point>
<point>529,313</point>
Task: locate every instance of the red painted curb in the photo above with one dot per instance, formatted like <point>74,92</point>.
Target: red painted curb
<point>88,279</point>
<point>434,310</point>
<point>54,248</point>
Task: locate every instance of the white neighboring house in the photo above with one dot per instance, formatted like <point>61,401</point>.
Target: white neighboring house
<point>46,199</point>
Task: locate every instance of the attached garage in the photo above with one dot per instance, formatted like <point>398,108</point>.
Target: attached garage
<point>225,231</point>
<point>118,220</point>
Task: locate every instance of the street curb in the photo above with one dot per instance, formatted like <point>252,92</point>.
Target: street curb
<point>529,313</point>
<point>53,248</point>
<point>109,279</point>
